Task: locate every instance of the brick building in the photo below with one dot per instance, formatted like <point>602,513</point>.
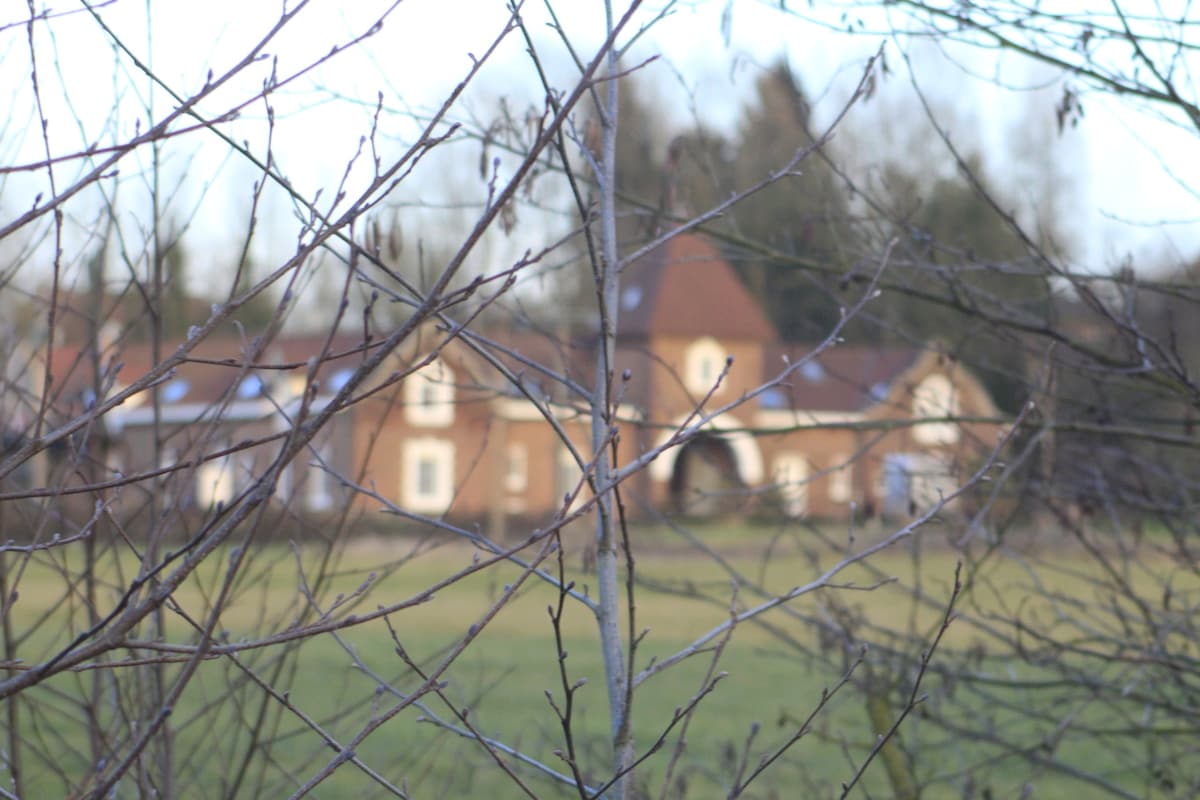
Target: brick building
<point>462,429</point>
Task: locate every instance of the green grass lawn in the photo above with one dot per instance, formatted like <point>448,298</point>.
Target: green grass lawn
<point>775,674</point>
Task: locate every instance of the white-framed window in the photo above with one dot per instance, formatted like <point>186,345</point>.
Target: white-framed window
<point>215,482</point>
<point>791,476</point>
<point>285,487</point>
<point>912,483</point>
<point>569,479</point>
<point>318,484</point>
<point>245,464</point>
<point>702,364</point>
<point>516,467</point>
<point>429,395</point>
<point>841,479</point>
<point>168,459</point>
<point>116,469</point>
<point>932,480</point>
<point>116,463</point>
<point>427,475</point>
<point>935,397</point>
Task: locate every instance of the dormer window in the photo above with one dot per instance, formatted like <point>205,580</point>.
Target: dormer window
<point>250,387</point>
<point>175,390</point>
<point>773,398</point>
<point>702,364</point>
<point>340,378</point>
<point>935,398</point>
<point>429,396</point>
<point>631,298</point>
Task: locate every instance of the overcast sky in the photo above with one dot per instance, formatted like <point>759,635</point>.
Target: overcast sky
<point>1135,197</point>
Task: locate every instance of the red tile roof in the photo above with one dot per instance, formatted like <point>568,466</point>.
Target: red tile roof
<point>521,349</point>
<point>682,288</point>
<point>685,287</point>
<point>841,378</point>
<point>212,369</point>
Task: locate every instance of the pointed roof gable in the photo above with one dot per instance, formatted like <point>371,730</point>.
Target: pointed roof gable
<point>685,287</point>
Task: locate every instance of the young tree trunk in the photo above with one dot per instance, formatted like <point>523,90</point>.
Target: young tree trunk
<point>609,607</point>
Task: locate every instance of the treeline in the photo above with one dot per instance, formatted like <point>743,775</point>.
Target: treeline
<point>807,245</point>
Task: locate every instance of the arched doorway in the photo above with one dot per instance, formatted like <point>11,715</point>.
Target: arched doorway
<point>705,481</point>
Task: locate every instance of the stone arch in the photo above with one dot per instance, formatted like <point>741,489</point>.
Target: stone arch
<point>705,480</point>
<point>748,459</point>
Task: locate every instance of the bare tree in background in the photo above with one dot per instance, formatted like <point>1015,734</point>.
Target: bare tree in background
<point>124,580</point>
<point>254,644</point>
<point>1080,670</point>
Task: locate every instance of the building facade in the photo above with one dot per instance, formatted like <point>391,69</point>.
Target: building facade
<point>736,420</point>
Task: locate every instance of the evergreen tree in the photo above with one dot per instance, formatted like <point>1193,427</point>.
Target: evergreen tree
<point>806,215</point>
<point>960,263</point>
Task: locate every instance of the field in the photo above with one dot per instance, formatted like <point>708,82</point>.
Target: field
<point>775,671</point>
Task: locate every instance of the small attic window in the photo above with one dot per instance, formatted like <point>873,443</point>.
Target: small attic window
<point>703,361</point>
<point>879,391</point>
<point>251,386</point>
<point>812,371</point>
<point>631,297</point>
<point>774,398</point>
<point>175,390</point>
<point>340,378</point>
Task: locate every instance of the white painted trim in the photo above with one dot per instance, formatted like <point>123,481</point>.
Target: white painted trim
<point>783,418</point>
<point>728,427</point>
<point>135,401</point>
<point>187,413</point>
<point>172,413</point>
<point>318,494</point>
<point>520,409</point>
